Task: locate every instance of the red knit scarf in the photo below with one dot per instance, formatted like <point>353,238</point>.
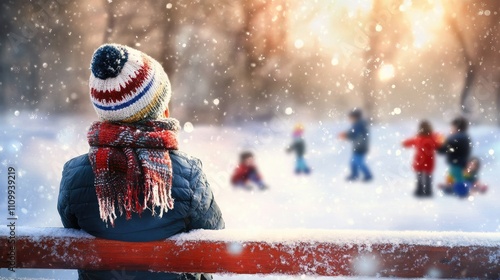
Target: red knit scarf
<point>132,166</point>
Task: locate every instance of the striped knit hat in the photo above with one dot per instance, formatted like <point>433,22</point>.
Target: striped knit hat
<point>127,85</point>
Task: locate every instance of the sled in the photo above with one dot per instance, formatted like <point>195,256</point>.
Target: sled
<point>283,252</point>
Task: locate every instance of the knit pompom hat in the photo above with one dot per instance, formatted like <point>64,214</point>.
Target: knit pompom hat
<point>127,85</point>
<point>298,130</point>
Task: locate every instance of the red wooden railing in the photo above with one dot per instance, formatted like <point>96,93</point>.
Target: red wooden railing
<point>332,253</point>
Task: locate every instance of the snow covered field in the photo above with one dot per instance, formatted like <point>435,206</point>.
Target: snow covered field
<point>38,148</point>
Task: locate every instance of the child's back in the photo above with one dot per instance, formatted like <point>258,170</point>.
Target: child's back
<point>359,137</point>
<point>298,146</point>
<point>457,149</point>
<point>425,143</point>
<point>425,151</point>
<point>457,146</point>
<point>126,187</point>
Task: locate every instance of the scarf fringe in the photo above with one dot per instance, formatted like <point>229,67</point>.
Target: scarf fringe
<point>130,162</point>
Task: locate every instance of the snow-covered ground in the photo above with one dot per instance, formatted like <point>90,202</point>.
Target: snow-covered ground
<point>38,147</point>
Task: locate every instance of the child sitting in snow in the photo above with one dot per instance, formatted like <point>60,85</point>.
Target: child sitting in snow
<point>299,147</point>
<point>471,179</point>
<point>425,144</point>
<point>246,174</point>
<point>471,176</point>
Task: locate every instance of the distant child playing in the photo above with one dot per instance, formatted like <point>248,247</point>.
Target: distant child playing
<point>457,148</point>
<point>471,176</point>
<point>471,179</point>
<point>246,174</point>
<point>359,136</point>
<point>425,144</point>
<point>299,147</point>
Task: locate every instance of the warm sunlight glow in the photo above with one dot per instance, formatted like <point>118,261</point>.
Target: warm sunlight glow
<point>355,6</point>
<point>335,60</point>
<point>386,72</point>
<point>322,24</point>
<point>424,22</point>
<point>299,44</point>
<point>421,37</point>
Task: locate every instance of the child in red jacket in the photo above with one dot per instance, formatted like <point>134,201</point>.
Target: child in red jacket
<point>425,143</point>
<point>246,174</point>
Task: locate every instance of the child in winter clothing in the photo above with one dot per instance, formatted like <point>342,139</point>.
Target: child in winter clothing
<point>471,176</point>
<point>359,136</point>
<point>471,171</point>
<point>299,147</point>
<point>471,179</point>
<point>425,144</point>
<point>457,148</point>
<point>134,185</point>
<point>246,174</point>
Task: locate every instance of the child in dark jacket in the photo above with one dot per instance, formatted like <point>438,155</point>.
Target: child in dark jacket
<point>299,147</point>
<point>134,185</point>
<point>246,174</point>
<point>359,136</point>
<point>425,143</point>
<point>457,148</point>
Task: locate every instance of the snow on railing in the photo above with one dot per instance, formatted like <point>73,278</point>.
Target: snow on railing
<point>292,252</point>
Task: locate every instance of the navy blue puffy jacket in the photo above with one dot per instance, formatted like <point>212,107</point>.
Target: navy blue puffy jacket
<point>194,208</point>
<point>457,149</point>
<point>359,136</point>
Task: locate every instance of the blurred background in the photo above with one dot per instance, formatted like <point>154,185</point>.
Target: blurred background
<point>239,60</point>
<point>243,73</point>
